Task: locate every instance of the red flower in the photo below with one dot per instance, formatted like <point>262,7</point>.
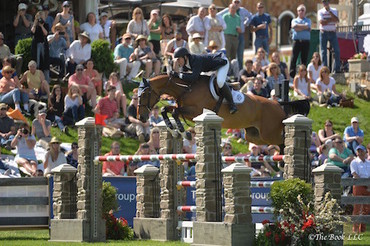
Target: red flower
<point>268,234</point>
<point>282,236</point>
<point>265,222</point>
<point>308,223</point>
<point>277,239</point>
<point>292,226</point>
<point>286,224</point>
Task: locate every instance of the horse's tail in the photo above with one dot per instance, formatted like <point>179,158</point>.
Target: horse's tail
<point>296,107</point>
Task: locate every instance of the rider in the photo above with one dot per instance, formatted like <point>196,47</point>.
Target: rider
<point>204,63</point>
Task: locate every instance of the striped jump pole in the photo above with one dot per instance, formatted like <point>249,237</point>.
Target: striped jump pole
<point>186,183</point>
<point>262,210</point>
<point>180,157</point>
<point>241,159</point>
<point>186,208</point>
<point>261,184</point>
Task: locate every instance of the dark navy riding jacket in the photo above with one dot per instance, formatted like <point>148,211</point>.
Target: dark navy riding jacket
<point>203,63</point>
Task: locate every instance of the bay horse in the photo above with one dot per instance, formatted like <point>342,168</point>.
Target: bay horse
<point>262,118</point>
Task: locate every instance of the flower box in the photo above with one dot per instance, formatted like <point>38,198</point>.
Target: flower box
<point>358,66</point>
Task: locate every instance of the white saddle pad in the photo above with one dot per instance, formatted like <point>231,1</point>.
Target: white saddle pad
<point>238,97</point>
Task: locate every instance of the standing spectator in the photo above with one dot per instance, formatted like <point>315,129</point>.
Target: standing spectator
<point>327,133</point>
<point>167,31</point>
<point>120,96</point>
<point>114,168</point>
<point>41,128</point>
<point>25,143</point>
<point>83,82</point>
<point>196,24</point>
<point>67,20</point>
<point>109,29</point>
<point>245,19</point>
<point>275,57</point>
<point>326,83</point>
<point>40,45</point>
<point>22,23</point>
<point>155,118</point>
<point>48,18</point>
<point>196,46</point>
<point>301,29</point>
<point>146,56</point>
<point>328,17</point>
<point>215,26</point>
<point>73,106</point>
<point>314,68</point>
<point>360,168</point>
<point>258,90</point>
<point>302,88</point>
<point>94,30</point>
<point>54,157</point>
<point>246,74</point>
<point>137,26</point>
<point>353,135</point>
<point>58,44</point>
<point>155,31</point>
<point>123,56</point>
<point>94,76</point>
<point>340,156</point>
<point>56,107</point>
<point>11,92</point>
<point>274,76</point>
<point>232,32</point>
<point>72,156</point>
<point>261,25</point>
<point>38,87</point>
<point>141,129</point>
<point>79,52</point>
<point>7,127</point>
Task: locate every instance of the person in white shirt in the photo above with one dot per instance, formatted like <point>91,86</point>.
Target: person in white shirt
<point>94,30</point>
<point>196,24</point>
<point>326,84</point>
<point>215,26</point>
<point>109,29</point>
<point>54,157</point>
<point>79,52</point>
<point>313,69</point>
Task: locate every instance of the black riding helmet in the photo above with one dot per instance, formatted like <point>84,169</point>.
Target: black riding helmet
<point>181,52</point>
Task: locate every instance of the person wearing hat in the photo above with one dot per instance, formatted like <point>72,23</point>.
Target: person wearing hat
<point>22,23</point>
<point>155,30</point>
<point>137,26</point>
<point>109,29</point>
<point>41,128</point>
<point>58,44</point>
<point>360,168</point>
<point>7,127</point>
<point>92,27</point>
<point>146,56</point>
<point>123,56</point>
<point>67,20</point>
<point>353,135</point>
<point>340,156</point>
<point>196,46</point>
<point>11,92</point>
<point>54,157</point>
<point>79,52</point>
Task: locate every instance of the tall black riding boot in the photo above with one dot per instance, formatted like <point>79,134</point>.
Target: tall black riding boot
<point>225,91</point>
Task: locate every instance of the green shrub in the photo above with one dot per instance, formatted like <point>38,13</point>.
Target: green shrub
<point>109,198</point>
<point>102,57</point>
<point>284,194</point>
<point>24,48</point>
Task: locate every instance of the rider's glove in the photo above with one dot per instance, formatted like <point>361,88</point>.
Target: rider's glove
<point>174,74</point>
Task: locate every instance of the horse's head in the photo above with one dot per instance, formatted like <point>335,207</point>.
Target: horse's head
<point>147,99</point>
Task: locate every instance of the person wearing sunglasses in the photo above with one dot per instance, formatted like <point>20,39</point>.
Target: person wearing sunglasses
<point>54,157</point>
<point>326,89</point>
<point>327,133</point>
<point>84,84</point>
<point>138,25</point>
<point>67,21</point>
<point>353,135</point>
<point>340,156</point>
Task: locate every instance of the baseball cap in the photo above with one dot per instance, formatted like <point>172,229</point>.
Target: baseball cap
<point>354,119</point>
<point>154,11</point>
<point>22,6</point>
<point>361,147</point>
<point>103,14</point>
<point>65,3</point>
<point>42,111</point>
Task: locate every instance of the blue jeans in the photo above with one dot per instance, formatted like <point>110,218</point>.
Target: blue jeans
<point>240,50</point>
<point>14,96</point>
<point>352,146</point>
<point>74,114</point>
<point>4,141</point>
<point>262,42</point>
<point>40,52</point>
<point>332,38</point>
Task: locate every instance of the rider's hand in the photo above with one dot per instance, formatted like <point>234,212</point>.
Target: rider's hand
<point>174,74</point>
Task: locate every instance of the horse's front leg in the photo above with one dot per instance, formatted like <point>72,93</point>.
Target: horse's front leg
<point>175,114</point>
<point>167,121</point>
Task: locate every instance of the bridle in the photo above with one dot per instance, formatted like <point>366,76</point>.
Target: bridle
<point>150,91</point>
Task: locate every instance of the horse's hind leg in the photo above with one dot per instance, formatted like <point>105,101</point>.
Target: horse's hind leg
<point>164,112</point>
<point>175,114</point>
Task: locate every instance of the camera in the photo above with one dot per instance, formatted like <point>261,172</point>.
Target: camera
<point>62,33</point>
<point>24,131</point>
<point>41,21</point>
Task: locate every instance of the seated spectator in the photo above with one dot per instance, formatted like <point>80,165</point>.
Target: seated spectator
<point>120,96</point>
<point>261,57</point>
<point>262,169</point>
<point>168,29</point>
<point>314,68</point>
<point>11,92</point>
<point>315,145</point>
<point>25,143</point>
<point>72,156</point>
<point>155,118</point>
<point>353,135</point>
<point>274,76</point>
<point>94,30</point>
<point>258,90</point>
<point>135,126</point>
<point>114,168</point>
<point>73,108</point>
<point>326,91</point>
<point>123,56</point>
<point>56,107</point>
<point>54,157</point>
<point>79,52</point>
<point>144,149</point>
<point>189,144</point>
<point>7,127</point>
<point>22,23</point>
<point>38,87</point>
<point>154,144</point>
<point>196,46</point>
<point>275,57</point>
<point>175,43</point>
<point>360,168</point>
<point>41,128</point>
<point>7,61</point>
<point>324,152</point>
<point>247,73</point>
<point>227,150</point>
<point>94,76</point>
<point>302,88</point>
<point>340,156</point>
<point>327,133</point>
<point>83,82</point>
<point>109,29</point>
<point>108,106</point>
<point>58,44</point>
<point>146,56</point>
<point>257,69</point>
<point>6,54</point>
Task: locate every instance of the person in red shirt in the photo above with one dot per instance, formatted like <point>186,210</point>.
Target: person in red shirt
<point>114,168</point>
<point>86,86</point>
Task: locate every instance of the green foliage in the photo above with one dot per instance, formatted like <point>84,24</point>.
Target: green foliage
<point>24,48</point>
<point>109,198</point>
<point>284,194</point>
<point>102,56</point>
